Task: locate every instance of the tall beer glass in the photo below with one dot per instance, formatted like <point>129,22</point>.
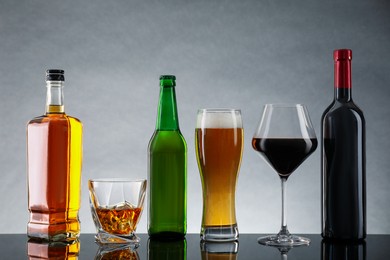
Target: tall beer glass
<point>219,144</point>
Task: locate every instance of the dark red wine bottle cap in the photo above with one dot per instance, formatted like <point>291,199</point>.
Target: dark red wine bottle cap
<point>342,54</point>
<point>342,68</point>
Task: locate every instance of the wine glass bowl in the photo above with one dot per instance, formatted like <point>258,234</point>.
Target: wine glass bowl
<point>284,137</point>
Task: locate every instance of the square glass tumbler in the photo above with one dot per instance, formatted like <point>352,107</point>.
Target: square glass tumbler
<point>116,206</point>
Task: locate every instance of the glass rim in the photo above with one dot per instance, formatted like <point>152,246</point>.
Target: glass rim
<point>117,180</point>
<point>284,105</point>
<point>218,110</point>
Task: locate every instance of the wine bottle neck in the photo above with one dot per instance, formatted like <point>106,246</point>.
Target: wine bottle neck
<point>343,94</point>
<point>55,97</point>
<point>167,118</point>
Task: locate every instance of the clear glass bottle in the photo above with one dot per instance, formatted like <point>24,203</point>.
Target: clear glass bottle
<point>54,158</point>
<point>167,169</point>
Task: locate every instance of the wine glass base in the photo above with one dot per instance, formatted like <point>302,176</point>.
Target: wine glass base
<point>283,241</point>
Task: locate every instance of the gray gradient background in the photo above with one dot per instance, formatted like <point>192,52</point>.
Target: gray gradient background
<point>239,54</point>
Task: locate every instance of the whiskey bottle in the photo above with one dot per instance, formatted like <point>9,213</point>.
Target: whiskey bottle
<point>54,157</point>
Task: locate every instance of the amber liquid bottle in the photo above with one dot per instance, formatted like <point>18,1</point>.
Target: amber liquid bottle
<point>54,156</point>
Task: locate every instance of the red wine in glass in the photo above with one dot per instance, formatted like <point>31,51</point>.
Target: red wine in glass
<point>285,154</point>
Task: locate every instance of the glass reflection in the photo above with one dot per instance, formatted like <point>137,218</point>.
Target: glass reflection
<point>167,250</point>
<point>283,252</point>
<point>220,251</point>
<point>339,250</point>
<point>116,251</point>
<point>53,250</point>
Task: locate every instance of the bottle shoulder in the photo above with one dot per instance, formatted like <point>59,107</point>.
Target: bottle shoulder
<point>343,121</point>
<point>326,111</point>
<point>344,109</point>
<point>167,140</point>
<point>74,120</point>
<point>60,118</point>
<point>38,119</point>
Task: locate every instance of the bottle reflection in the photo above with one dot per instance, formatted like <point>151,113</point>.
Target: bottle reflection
<point>343,250</point>
<point>117,251</point>
<point>53,250</point>
<point>219,251</point>
<point>167,250</point>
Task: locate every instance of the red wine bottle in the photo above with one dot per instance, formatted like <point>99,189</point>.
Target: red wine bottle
<point>343,159</point>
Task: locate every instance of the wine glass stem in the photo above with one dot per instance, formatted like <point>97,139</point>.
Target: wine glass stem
<point>284,230</point>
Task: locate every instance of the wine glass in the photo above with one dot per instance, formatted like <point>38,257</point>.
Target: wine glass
<point>285,138</point>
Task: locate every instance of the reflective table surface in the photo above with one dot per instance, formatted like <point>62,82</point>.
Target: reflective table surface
<point>17,246</point>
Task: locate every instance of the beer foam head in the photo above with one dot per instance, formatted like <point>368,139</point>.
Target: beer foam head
<point>219,118</point>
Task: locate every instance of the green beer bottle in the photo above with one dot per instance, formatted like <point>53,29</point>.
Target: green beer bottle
<point>167,169</point>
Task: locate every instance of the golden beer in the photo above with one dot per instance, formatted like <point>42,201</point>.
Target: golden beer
<point>219,146</point>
